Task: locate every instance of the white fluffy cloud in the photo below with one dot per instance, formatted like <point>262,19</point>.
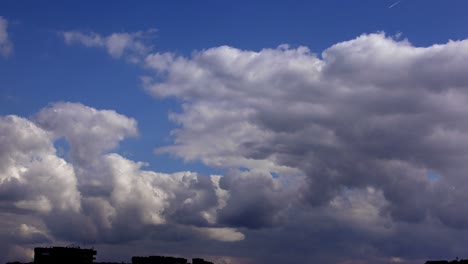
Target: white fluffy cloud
<point>107,197</point>
<point>6,47</point>
<point>32,177</point>
<point>89,132</point>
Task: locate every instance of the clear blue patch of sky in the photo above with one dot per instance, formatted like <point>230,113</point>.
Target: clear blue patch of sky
<point>433,176</point>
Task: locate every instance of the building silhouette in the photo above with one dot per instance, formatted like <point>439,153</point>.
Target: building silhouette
<point>200,261</point>
<point>60,255</point>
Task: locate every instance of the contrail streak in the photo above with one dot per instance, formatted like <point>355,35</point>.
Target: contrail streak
<point>394,4</point>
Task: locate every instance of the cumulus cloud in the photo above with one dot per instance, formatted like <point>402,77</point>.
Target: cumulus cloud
<point>132,45</point>
<point>108,198</point>
<point>6,47</point>
<point>370,112</point>
<point>255,200</point>
<point>32,177</point>
<point>89,132</point>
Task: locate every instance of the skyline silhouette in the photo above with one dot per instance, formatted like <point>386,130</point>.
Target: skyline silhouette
<point>77,255</point>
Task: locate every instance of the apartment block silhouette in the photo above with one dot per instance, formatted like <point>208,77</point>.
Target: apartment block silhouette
<point>59,255</point>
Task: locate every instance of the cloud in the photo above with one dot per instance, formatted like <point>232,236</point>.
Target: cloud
<point>370,112</point>
<point>108,198</point>
<point>222,234</point>
<point>89,132</point>
<point>32,177</point>
<point>30,234</point>
<point>131,45</point>
<point>255,200</point>
<point>6,47</point>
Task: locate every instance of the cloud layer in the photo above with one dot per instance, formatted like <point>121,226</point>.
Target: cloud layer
<point>359,150</point>
<point>372,111</point>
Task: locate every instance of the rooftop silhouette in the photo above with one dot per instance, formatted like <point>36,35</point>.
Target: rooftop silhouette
<point>456,261</point>
<point>158,260</point>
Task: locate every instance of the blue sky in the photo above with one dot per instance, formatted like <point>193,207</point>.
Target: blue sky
<point>341,133</point>
<point>57,73</point>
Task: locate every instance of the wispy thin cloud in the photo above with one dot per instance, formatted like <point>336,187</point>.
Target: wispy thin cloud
<point>131,45</point>
<point>394,4</point>
<point>6,47</point>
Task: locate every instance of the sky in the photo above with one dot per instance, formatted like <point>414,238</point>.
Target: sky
<point>242,132</point>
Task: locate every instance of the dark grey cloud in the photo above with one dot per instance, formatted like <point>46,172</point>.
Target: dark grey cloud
<point>255,200</point>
